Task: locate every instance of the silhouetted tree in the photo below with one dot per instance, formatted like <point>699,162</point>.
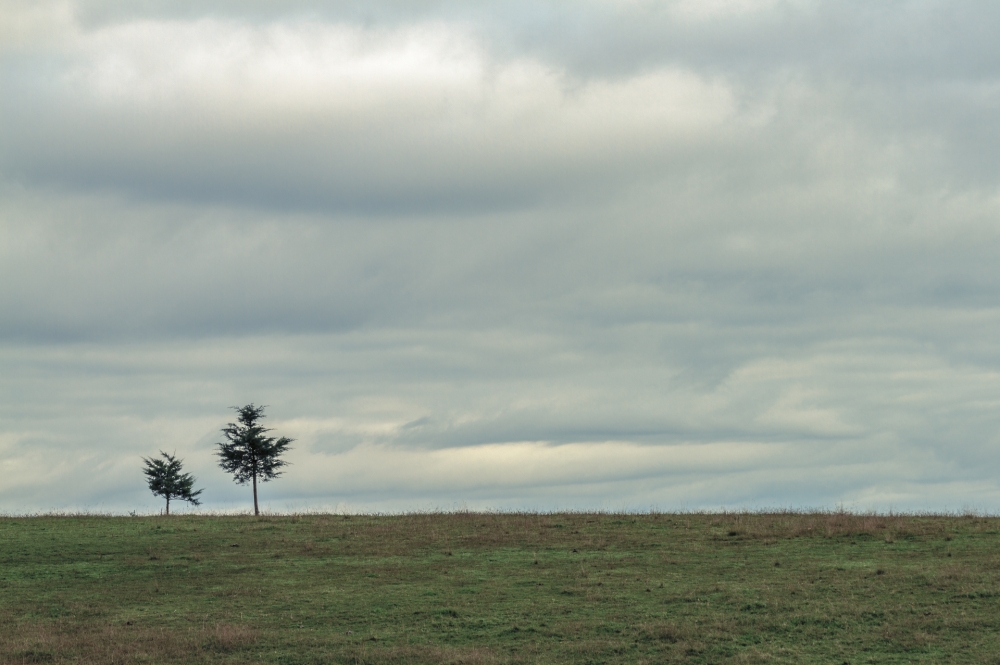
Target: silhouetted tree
<point>166,480</point>
<point>247,453</point>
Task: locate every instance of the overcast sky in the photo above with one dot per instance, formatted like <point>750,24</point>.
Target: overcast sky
<point>678,255</point>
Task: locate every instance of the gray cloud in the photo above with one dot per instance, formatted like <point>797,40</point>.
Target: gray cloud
<point>541,255</point>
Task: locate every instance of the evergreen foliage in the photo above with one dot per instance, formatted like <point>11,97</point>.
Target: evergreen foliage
<point>166,480</point>
<point>248,454</point>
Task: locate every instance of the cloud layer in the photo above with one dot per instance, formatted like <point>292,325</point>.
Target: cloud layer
<point>674,255</point>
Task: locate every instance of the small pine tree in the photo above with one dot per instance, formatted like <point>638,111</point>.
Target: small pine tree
<point>166,480</point>
<point>247,453</point>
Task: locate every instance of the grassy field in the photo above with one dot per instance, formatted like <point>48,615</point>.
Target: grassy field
<point>501,588</point>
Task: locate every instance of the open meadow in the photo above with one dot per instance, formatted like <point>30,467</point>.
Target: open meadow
<point>501,588</point>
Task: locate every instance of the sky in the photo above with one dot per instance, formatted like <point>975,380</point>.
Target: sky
<point>519,255</point>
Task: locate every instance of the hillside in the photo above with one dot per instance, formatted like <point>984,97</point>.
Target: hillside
<point>501,588</point>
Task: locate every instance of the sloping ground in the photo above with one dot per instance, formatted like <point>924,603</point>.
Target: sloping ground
<point>501,588</point>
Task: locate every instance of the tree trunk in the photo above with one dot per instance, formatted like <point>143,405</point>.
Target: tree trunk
<point>256,511</point>
<point>168,504</point>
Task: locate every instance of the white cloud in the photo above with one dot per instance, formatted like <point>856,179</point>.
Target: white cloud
<point>701,10</point>
<point>330,114</point>
<point>484,256</point>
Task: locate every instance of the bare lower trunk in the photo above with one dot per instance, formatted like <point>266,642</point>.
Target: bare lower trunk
<point>256,511</point>
<point>168,505</point>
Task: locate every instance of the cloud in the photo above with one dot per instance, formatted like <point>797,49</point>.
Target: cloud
<point>337,117</point>
<point>503,255</point>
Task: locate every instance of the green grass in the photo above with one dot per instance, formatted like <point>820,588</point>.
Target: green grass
<point>501,588</point>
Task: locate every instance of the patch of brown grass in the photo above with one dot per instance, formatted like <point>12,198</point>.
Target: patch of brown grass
<point>124,644</point>
<point>414,654</point>
<point>227,638</point>
<point>664,631</point>
<point>765,526</point>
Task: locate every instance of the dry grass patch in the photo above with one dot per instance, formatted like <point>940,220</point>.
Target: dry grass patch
<point>889,528</point>
<point>416,655</point>
<point>71,642</point>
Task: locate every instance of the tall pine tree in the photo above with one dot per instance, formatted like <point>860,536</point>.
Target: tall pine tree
<point>248,453</point>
